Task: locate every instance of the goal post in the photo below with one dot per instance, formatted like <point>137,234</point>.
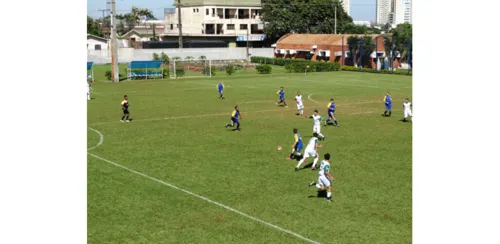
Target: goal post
<point>190,68</point>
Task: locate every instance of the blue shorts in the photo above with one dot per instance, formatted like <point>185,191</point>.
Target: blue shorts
<point>235,120</point>
<point>282,98</point>
<point>330,111</point>
<point>220,91</point>
<point>298,147</point>
<point>388,106</point>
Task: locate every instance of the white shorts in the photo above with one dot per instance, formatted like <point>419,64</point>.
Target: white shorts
<point>310,153</point>
<point>317,129</point>
<point>300,106</point>
<point>324,181</point>
<point>408,113</point>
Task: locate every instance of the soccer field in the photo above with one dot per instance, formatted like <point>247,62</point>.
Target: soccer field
<point>175,174</point>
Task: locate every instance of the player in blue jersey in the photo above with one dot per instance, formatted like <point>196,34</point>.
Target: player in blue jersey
<point>220,89</point>
<point>331,113</point>
<point>297,145</point>
<point>235,118</point>
<point>388,105</point>
<point>281,94</point>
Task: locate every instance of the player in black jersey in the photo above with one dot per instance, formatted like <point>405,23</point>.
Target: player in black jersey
<point>125,110</point>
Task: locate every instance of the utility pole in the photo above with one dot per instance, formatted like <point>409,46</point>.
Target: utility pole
<point>102,23</point>
<point>335,18</point>
<point>180,22</point>
<point>114,45</point>
<point>248,51</point>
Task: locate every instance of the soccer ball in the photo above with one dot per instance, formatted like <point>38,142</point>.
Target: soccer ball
<point>279,148</point>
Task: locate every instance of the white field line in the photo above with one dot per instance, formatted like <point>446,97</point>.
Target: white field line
<point>205,199</point>
<point>214,85</point>
<point>336,83</point>
<point>263,101</point>
<point>193,116</point>
<point>101,139</point>
<point>222,114</point>
<point>310,99</point>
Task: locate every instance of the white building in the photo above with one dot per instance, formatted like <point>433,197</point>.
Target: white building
<point>346,4</point>
<point>384,10</point>
<point>97,43</point>
<point>402,12</point>
<point>228,20</point>
<point>394,12</point>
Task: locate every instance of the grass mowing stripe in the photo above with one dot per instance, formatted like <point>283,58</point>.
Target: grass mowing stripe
<point>204,198</point>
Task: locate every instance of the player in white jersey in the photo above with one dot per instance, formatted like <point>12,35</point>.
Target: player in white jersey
<point>300,104</point>
<point>311,151</point>
<point>88,90</point>
<point>317,124</point>
<point>407,109</point>
<point>325,177</point>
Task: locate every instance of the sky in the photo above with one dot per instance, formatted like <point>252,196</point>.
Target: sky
<point>360,9</point>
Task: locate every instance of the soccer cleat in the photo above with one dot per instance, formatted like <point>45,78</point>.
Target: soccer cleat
<point>128,121</point>
<point>329,199</point>
<point>312,183</point>
<point>313,168</point>
<point>122,121</point>
<point>296,169</point>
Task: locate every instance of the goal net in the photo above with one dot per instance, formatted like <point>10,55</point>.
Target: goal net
<point>190,68</point>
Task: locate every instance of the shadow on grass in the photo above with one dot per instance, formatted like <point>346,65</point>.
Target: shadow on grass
<point>320,194</point>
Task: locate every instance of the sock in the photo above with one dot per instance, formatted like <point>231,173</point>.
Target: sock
<point>328,120</point>
<point>123,117</point>
<point>318,186</point>
<point>335,121</point>
<point>390,112</point>
<point>321,135</point>
<point>300,162</point>
<point>315,161</point>
<point>127,117</point>
<point>328,195</point>
<point>291,155</point>
<point>88,96</point>
<point>238,126</point>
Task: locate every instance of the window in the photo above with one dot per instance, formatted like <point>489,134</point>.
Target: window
<point>171,26</point>
<point>207,11</point>
<point>194,10</point>
<point>243,26</point>
<point>230,26</point>
<point>97,47</point>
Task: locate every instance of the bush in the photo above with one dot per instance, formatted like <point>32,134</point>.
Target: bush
<point>264,69</point>
<point>165,58</point>
<point>166,73</point>
<point>108,74</point>
<point>298,66</point>
<point>368,70</point>
<point>156,56</point>
<point>207,70</point>
<point>230,69</point>
<point>179,72</point>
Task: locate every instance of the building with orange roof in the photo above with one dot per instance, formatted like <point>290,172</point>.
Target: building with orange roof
<point>327,48</point>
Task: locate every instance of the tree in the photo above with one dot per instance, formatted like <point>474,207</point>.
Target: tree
<point>402,35</point>
<point>93,27</point>
<point>353,45</point>
<point>368,48</point>
<point>302,16</point>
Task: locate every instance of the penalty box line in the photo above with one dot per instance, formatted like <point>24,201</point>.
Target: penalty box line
<point>204,198</point>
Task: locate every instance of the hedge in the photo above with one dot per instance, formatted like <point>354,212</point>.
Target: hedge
<point>298,66</point>
<point>264,69</point>
<point>368,70</point>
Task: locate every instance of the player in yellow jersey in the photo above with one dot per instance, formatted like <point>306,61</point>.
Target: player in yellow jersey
<point>125,110</point>
<point>235,118</point>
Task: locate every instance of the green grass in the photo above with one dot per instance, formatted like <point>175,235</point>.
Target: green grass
<point>243,170</point>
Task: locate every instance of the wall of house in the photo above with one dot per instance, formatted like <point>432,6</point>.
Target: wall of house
<point>195,18</point>
<point>92,42</point>
<point>126,55</point>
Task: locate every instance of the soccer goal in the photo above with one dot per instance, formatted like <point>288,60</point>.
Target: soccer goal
<point>190,68</point>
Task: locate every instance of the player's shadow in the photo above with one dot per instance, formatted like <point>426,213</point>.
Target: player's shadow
<point>307,166</point>
<point>320,194</point>
<point>405,121</point>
